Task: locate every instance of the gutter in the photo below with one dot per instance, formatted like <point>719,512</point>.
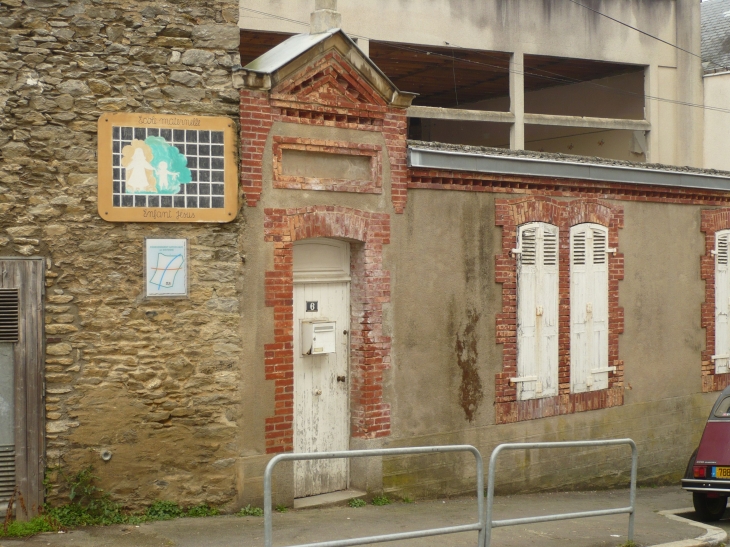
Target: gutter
<point>427,158</point>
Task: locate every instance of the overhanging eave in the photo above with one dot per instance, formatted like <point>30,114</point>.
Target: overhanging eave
<point>449,160</point>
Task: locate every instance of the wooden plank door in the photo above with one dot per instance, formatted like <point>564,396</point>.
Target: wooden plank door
<point>7,424</point>
<point>321,402</point>
<point>25,277</point>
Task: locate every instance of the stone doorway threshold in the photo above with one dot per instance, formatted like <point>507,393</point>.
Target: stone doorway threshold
<point>327,499</point>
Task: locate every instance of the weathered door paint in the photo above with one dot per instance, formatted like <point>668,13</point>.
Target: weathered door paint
<point>321,392</point>
<point>25,277</point>
<point>722,303</point>
<point>7,423</point>
<point>537,311</point>
<point>588,308</point>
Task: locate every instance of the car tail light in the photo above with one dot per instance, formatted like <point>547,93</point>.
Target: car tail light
<point>699,471</point>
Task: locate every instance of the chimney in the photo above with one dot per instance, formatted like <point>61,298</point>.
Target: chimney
<point>325,16</point>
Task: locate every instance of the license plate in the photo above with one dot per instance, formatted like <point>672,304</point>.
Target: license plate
<point>721,472</point>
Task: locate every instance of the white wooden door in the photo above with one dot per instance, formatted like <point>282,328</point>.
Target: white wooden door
<point>537,311</point>
<point>589,308</point>
<point>321,382</point>
<point>722,303</point>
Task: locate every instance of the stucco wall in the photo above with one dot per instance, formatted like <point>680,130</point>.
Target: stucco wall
<point>444,352</point>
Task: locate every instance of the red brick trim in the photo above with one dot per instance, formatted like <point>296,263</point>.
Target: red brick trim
<point>373,151</point>
<point>713,220</point>
<point>332,82</point>
<point>510,214</point>
<point>369,289</point>
<point>394,131</point>
<point>434,179</point>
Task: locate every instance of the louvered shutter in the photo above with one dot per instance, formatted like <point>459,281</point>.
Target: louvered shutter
<point>722,303</point>
<point>537,311</point>
<point>589,366</point>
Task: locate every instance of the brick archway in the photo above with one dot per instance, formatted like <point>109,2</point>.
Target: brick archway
<point>510,214</point>
<point>370,287</point>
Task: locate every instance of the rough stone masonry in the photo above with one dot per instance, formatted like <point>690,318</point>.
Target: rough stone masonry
<point>155,382</point>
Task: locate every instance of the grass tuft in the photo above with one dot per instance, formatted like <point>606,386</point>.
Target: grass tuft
<point>381,500</point>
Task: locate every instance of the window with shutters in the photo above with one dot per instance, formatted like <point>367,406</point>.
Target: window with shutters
<point>589,364</point>
<point>537,311</point>
<point>721,356</point>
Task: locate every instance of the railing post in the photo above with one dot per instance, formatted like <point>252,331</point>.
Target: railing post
<point>268,525</point>
<point>632,495</point>
<point>631,510</point>
<point>479,526</point>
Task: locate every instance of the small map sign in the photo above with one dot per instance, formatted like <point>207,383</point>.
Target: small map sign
<point>166,265</point>
<point>167,168</point>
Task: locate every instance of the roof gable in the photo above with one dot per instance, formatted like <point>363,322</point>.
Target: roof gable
<point>323,68</point>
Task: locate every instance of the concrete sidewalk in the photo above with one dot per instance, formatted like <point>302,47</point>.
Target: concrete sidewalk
<point>310,525</point>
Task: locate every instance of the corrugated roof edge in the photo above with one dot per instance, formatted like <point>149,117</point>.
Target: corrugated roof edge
<point>525,162</point>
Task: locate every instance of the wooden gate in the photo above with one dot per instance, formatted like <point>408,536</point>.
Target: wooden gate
<point>22,450</point>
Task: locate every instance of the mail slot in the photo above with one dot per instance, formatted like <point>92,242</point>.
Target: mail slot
<point>318,337</point>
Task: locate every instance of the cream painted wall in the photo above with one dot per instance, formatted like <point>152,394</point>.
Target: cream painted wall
<point>717,124</point>
<point>666,122</point>
<point>545,27</point>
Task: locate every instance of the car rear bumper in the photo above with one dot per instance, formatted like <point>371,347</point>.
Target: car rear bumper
<point>706,485</point>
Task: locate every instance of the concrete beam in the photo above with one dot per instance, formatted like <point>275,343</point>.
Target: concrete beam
<point>517,100</point>
<point>581,121</point>
<point>435,113</point>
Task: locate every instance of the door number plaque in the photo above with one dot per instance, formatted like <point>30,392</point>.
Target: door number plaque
<point>312,306</point>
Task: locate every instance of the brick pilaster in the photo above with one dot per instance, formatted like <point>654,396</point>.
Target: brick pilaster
<point>370,288</point>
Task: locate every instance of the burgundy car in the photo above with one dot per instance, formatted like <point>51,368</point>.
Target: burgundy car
<point>708,470</point>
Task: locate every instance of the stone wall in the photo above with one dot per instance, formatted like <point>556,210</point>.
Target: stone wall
<point>155,382</point>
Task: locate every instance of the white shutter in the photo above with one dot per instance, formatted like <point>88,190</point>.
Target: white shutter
<point>537,311</point>
<point>589,366</point>
<point>722,303</point>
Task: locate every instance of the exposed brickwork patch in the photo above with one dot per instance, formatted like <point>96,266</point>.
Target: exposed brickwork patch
<point>369,289</point>
<point>257,117</point>
<point>373,185</point>
<point>510,214</point>
<point>329,92</point>
<point>712,221</point>
<point>435,179</point>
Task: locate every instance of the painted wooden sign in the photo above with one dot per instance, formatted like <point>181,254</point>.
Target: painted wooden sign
<point>167,168</point>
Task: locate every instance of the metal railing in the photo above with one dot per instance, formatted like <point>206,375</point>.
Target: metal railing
<point>479,526</point>
<point>564,516</point>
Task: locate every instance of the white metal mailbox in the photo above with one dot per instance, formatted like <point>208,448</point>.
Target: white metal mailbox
<point>318,337</point>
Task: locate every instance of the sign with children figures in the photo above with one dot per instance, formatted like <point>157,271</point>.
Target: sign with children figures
<point>167,168</point>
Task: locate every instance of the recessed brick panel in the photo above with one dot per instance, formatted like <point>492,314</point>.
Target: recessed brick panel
<point>369,289</point>
<point>510,214</point>
<point>330,93</point>
<point>373,152</point>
